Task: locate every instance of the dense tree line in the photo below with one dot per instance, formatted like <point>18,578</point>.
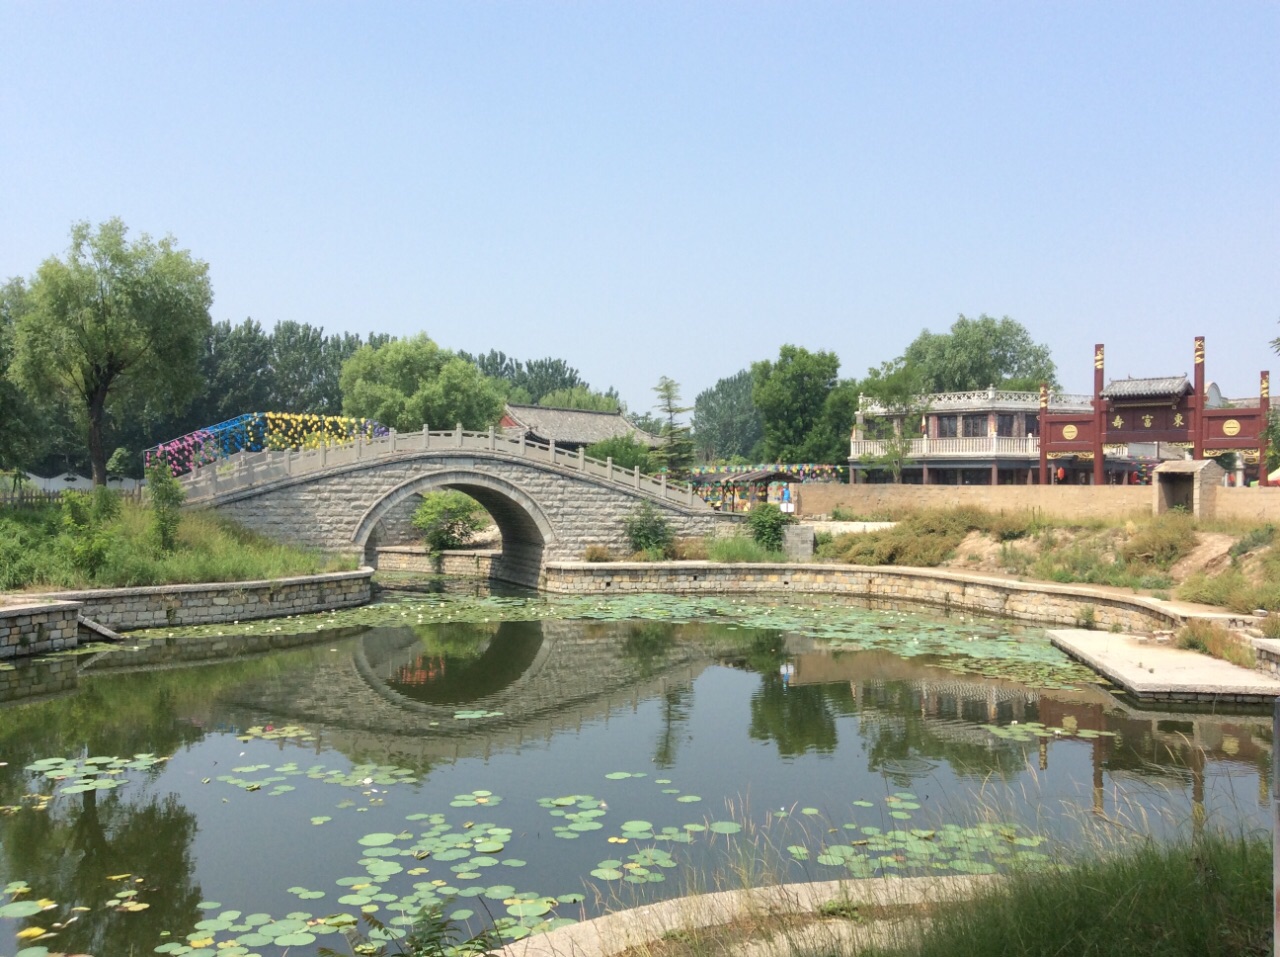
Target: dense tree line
<point>110,349</point>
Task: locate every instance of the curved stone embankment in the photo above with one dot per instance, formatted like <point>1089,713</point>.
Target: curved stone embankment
<point>38,624</point>
<point>1045,603</point>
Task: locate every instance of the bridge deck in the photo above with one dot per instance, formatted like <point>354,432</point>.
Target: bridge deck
<point>244,470</point>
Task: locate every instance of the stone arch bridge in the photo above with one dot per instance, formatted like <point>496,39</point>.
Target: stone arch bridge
<point>548,504</point>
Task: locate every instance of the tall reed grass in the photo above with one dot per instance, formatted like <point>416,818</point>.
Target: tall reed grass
<point>37,550</point>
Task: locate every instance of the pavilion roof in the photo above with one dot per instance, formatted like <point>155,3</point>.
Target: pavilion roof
<point>1157,388</point>
<point>574,426</point>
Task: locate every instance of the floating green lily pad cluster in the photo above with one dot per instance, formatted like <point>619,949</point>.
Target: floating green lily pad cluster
<point>963,644</point>
<point>98,773</point>
<point>1031,730</point>
<point>870,850</point>
<point>359,776</point>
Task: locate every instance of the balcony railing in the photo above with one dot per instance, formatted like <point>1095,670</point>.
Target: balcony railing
<point>986,400</point>
<point>1003,446</point>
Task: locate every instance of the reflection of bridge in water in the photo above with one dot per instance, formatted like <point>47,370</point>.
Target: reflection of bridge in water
<point>373,699</point>
<point>391,697</point>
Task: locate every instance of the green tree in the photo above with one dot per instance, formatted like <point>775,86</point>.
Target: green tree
<point>449,519</point>
<point>539,377</point>
<point>977,353</point>
<point>114,323</point>
<point>405,383</point>
<point>237,367</point>
<point>676,452</point>
<point>726,424</point>
<point>166,495</point>
<point>306,367</point>
<point>581,397</point>
<point>804,408</point>
<point>23,437</point>
<point>896,389</point>
<point>626,451</point>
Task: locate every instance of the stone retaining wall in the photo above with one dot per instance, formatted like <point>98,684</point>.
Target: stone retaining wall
<point>1041,602</point>
<point>463,563</point>
<point>1069,502</point>
<point>38,627</point>
<point>125,609</point>
<point>37,678</point>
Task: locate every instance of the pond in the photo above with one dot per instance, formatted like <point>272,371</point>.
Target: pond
<point>522,761</point>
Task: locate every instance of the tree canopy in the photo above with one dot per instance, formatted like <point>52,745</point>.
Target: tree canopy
<point>726,424</point>
<point>977,353</point>
<point>406,383</point>
<point>676,452</point>
<point>580,397</point>
<point>114,322</point>
<point>805,410</point>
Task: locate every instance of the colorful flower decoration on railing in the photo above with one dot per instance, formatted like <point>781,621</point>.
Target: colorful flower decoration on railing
<point>805,472</point>
<point>258,431</point>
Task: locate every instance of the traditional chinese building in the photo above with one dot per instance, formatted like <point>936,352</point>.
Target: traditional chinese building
<point>1117,435</point>
<point>1168,411</point>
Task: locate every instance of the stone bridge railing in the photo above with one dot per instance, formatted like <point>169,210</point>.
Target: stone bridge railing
<point>248,469</point>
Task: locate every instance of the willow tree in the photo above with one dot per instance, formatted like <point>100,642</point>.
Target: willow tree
<point>113,325</point>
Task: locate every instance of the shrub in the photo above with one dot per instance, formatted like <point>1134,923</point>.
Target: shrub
<point>689,549</point>
<point>646,530</point>
<point>1271,626</point>
<point>766,522</point>
<point>1231,589</point>
<point>449,519</point>
<point>166,495</point>
<point>1211,638</point>
<point>1161,542</point>
<point>596,553</point>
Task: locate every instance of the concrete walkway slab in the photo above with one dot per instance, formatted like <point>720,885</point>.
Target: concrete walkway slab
<point>1157,671</point>
<point>623,930</point>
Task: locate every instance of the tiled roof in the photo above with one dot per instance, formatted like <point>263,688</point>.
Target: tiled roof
<point>574,426</point>
<point>1147,388</point>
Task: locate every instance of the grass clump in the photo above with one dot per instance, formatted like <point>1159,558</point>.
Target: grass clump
<point>741,548</point>
<point>1211,638</point>
<point>88,545</point>
<point>1251,581</point>
<point>923,539</point>
<point>1211,897</point>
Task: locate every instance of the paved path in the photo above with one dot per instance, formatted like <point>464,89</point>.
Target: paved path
<point>1156,670</point>
<point>636,927</point>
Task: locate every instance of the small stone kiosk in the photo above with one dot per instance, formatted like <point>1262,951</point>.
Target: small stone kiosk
<point>1188,485</point>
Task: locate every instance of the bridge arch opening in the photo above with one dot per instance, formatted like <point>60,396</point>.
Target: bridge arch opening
<point>525,529</point>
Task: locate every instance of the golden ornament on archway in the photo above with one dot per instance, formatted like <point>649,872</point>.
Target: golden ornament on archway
<point>1069,432</point>
<point>1231,427</point>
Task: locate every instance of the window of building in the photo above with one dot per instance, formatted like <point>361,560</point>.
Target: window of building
<point>1004,424</point>
<point>975,426</point>
<point>1033,424</point>
<point>947,426</point>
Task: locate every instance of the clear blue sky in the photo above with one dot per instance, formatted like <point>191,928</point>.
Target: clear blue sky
<point>653,188</point>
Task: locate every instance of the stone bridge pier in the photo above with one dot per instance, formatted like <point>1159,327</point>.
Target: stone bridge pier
<point>546,511</point>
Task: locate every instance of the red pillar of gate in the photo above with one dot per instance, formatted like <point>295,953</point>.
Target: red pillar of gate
<point>1197,406</point>
<point>1099,416</point>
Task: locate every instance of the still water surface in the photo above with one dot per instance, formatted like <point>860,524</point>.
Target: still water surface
<point>528,771</point>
